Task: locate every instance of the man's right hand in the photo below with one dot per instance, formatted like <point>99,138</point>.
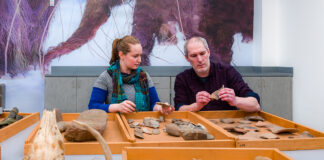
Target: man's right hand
<point>202,99</point>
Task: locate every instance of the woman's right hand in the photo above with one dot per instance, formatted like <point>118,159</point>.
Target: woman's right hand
<point>124,107</point>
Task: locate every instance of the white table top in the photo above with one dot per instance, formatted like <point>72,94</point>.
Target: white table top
<point>13,149</point>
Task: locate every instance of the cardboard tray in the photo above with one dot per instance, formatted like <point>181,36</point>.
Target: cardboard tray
<point>185,153</point>
<point>14,128</point>
<point>222,139</point>
<point>283,144</point>
<point>115,135</point>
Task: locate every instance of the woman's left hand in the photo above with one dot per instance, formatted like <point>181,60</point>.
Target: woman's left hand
<point>164,110</point>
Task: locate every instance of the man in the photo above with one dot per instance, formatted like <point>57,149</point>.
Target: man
<point>194,86</point>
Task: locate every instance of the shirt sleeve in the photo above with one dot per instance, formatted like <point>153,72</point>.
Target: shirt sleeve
<point>97,99</point>
<point>181,97</point>
<point>153,97</point>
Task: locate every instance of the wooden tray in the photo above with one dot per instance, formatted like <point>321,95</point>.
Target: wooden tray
<point>222,139</point>
<point>173,153</point>
<point>284,143</point>
<point>115,135</point>
<point>14,128</point>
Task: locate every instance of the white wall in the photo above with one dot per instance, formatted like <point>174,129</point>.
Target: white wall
<point>292,35</point>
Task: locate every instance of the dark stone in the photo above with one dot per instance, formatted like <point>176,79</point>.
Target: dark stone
<point>194,134</point>
<point>95,118</point>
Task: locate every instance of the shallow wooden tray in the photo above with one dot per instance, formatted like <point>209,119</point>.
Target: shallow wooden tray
<point>14,128</point>
<point>222,139</point>
<point>185,153</point>
<point>283,144</point>
<point>115,135</point>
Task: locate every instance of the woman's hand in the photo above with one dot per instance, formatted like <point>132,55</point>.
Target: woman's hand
<point>166,110</point>
<point>124,107</point>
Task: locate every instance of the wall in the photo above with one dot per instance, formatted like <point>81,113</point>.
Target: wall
<point>292,35</point>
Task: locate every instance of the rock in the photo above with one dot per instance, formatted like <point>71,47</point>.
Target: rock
<point>147,131</point>
<point>62,126</point>
<point>19,117</point>
<point>95,118</point>
<point>58,115</point>
<point>247,127</point>
<point>138,133</point>
<point>130,121</point>
<point>200,126</point>
<point>172,129</point>
<point>227,120</point>
<point>161,119</point>
<point>261,124</point>
<point>11,118</point>
<point>194,134</point>
<point>156,131</point>
<point>305,134</point>
<point>262,158</point>
<point>251,135</point>
<point>151,122</point>
<point>269,136</point>
<point>254,118</point>
<point>214,95</point>
<point>210,137</point>
<point>229,128</point>
<point>180,122</point>
<point>277,129</point>
<point>244,122</point>
<point>214,121</point>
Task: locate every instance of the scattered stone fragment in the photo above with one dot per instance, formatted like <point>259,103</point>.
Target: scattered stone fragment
<point>251,135</point>
<point>262,158</point>
<point>227,120</point>
<point>130,121</point>
<point>269,136</point>
<point>95,118</point>
<point>147,131</point>
<point>156,131</point>
<point>214,95</point>
<point>199,126</point>
<point>136,123</point>
<point>229,128</point>
<point>172,129</point>
<point>161,119</point>
<point>210,137</point>
<point>291,137</point>
<point>214,121</point>
<point>261,124</point>
<point>240,130</point>
<point>247,127</point>
<point>10,119</point>
<point>254,118</point>
<point>151,122</point>
<point>62,125</point>
<point>277,129</point>
<point>194,134</point>
<point>305,134</point>
<point>132,125</point>
<point>179,122</point>
<point>244,122</point>
<point>19,117</point>
<point>138,133</point>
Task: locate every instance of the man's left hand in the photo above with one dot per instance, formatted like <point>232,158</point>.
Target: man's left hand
<point>228,95</point>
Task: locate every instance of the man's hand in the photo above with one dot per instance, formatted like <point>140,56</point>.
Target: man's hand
<point>202,99</point>
<point>228,95</point>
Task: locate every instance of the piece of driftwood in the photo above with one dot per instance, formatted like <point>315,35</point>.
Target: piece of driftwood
<point>48,141</point>
<point>95,118</point>
<point>100,139</point>
<point>214,95</point>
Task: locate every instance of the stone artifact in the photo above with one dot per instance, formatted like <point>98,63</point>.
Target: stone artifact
<point>305,134</point>
<point>261,124</point>
<point>12,117</point>
<point>164,104</point>
<point>138,133</point>
<point>194,134</point>
<point>156,131</point>
<point>227,120</point>
<point>130,121</point>
<point>254,118</point>
<point>147,131</point>
<point>173,130</point>
<point>251,135</point>
<point>269,136</point>
<point>262,158</point>
<point>161,119</point>
<point>240,130</point>
<point>151,122</point>
<point>62,126</point>
<point>95,118</point>
<point>277,129</point>
<point>214,95</point>
<point>214,121</point>
<point>229,128</point>
<point>48,141</point>
<point>244,121</point>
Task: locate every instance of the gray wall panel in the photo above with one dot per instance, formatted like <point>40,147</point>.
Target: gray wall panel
<point>84,89</point>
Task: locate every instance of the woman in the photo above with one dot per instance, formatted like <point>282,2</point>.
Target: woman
<point>124,86</point>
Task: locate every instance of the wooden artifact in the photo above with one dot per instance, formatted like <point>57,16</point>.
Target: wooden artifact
<point>95,118</point>
<point>48,142</point>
